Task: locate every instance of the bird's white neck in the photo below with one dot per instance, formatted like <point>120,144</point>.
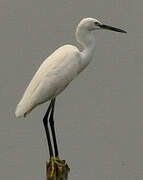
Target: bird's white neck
<point>87,41</point>
<point>87,55</point>
<point>89,51</point>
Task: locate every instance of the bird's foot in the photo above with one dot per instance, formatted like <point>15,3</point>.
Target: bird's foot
<point>57,168</point>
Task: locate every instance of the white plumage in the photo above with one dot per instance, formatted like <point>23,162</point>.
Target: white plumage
<point>52,77</point>
<point>60,68</point>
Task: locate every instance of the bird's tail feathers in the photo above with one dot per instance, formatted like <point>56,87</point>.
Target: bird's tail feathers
<point>23,109</point>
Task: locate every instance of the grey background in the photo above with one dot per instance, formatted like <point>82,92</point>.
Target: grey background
<point>99,117</point>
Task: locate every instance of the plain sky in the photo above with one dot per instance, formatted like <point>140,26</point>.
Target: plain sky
<point>99,118</point>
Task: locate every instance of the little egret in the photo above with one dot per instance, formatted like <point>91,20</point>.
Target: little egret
<point>57,71</point>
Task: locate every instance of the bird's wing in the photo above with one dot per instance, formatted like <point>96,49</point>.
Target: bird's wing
<point>63,62</point>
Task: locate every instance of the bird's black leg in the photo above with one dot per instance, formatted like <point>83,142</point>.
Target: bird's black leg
<point>51,120</point>
<point>45,121</point>
<point>55,167</point>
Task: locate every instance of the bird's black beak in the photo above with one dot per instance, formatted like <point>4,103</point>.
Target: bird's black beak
<point>103,26</point>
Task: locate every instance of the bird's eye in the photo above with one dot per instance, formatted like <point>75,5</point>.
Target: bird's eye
<point>97,23</point>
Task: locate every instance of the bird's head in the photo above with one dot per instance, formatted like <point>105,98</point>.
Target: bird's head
<point>87,27</point>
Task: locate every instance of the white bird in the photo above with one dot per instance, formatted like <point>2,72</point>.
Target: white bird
<point>58,70</point>
<point>61,67</point>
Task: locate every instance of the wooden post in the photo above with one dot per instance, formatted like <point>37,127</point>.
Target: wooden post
<point>59,172</point>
